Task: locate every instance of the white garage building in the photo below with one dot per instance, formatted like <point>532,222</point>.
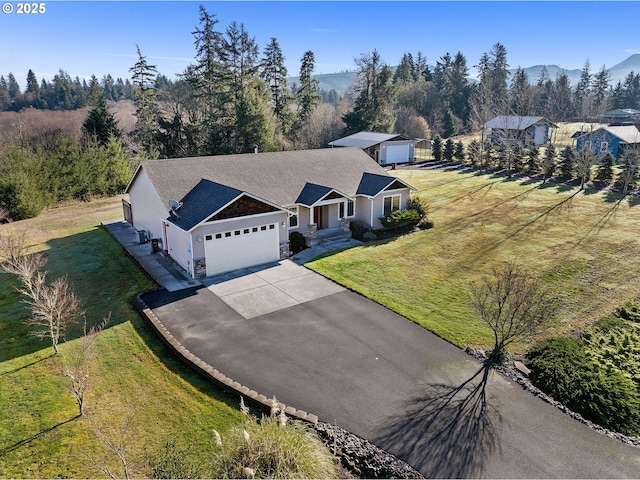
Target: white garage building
<point>384,148</point>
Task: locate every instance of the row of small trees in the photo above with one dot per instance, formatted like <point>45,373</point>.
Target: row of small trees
<point>550,161</point>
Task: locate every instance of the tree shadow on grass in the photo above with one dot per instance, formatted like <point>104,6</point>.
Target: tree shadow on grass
<point>445,432</point>
<point>27,441</point>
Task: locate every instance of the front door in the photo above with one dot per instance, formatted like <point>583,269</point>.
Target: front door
<point>318,216</point>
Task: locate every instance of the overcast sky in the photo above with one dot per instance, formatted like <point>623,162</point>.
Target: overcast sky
<point>95,37</point>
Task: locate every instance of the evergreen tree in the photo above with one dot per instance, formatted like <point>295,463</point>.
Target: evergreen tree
<point>274,73</point>
<point>628,176</point>
<point>561,99</point>
<point>147,112</point>
<point>582,93</point>
<point>604,173</point>
<point>458,153</point>
<point>100,124</point>
<point>249,121</point>
<point>449,149</point>
<point>567,163</point>
<point>4,94</point>
<point>449,128</point>
<point>520,93</point>
<point>307,93</point>
<point>13,87</point>
<point>375,94</point>
<point>600,89</point>
<point>475,152</point>
<point>436,149</point>
<point>549,161</point>
<point>533,159</point>
<point>405,71</point>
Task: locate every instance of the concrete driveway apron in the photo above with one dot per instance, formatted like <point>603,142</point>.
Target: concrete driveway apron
<point>288,332</point>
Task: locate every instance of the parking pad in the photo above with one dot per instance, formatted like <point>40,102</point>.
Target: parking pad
<point>266,289</point>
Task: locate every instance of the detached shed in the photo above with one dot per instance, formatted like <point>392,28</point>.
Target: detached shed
<point>384,148</point>
<point>614,139</point>
<point>524,129</point>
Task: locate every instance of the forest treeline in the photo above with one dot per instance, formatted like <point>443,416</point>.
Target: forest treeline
<point>235,98</point>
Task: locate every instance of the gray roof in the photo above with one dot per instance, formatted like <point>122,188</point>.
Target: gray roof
<point>621,113</point>
<point>311,193</point>
<point>372,184</point>
<point>366,139</point>
<point>513,122</point>
<point>202,201</point>
<point>277,177</point>
<point>627,133</point>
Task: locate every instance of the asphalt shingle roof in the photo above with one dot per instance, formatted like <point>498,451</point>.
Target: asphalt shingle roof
<point>372,184</point>
<point>203,200</point>
<point>278,177</point>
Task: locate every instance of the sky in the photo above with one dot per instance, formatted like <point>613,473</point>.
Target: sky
<point>100,37</point>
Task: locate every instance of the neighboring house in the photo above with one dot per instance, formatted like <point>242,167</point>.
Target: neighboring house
<point>614,139</point>
<point>526,130</point>
<point>384,148</point>
<point>621,115</point>
<point>220,213</point>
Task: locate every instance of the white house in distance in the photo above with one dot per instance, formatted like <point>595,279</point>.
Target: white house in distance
<point>220,213</point>
<point>384,148</point>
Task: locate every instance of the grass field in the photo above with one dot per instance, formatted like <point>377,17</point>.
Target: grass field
<point>133,373</point>
<point>583,244</point>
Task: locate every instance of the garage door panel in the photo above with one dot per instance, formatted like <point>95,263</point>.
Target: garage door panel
<point>241,248</point>
<point>398,153</point>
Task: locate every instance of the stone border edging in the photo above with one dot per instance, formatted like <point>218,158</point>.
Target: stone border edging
<point>211,373</point>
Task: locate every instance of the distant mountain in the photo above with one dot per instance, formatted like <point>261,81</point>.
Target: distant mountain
<point>340,82</point>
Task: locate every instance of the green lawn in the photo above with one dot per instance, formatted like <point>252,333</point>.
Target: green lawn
<point>133,373</point>
<point>584,244</point>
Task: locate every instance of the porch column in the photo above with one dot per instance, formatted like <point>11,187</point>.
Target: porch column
<point>311,219</point>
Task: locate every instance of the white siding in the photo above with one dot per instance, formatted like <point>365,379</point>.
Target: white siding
<point>146,206</point>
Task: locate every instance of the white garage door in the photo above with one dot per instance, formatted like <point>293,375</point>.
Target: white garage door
<point>241,248</point>
<point>398,153</point>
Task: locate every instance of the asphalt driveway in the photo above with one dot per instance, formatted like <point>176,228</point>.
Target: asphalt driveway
<point>352,362</point>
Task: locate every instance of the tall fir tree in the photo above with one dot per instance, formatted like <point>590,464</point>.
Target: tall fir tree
<point>145,96</point>
<point>274,73</point>
<point>308,91</point>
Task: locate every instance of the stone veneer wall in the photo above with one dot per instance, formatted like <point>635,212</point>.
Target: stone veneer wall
<point>285,250</point>
<point>199,268</point>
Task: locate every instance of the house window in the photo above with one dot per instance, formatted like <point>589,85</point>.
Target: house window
<point>604,146</point>
<point>350,209</point>
<point>293,219</point>
<point>390,204</point>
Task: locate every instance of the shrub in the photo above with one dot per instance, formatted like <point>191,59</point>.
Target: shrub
<point>369,237</point>
<point>563,368</point>
<point>297,242</point>
<point>400,218</point>
<point>358,229</point>
<point>419,204</point>
<point>272,447</point>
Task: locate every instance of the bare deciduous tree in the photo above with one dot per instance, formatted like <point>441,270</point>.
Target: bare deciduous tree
<point>117,442</point>
<point>514,305</point>
<point>76,363</point>
<point>53,305</point>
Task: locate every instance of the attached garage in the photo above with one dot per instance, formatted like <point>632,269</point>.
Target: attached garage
<point>241,248</point>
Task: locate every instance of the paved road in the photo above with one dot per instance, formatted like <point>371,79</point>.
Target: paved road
<point>357,364</point>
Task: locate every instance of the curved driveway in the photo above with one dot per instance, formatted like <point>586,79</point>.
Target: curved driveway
<point>352,362</point>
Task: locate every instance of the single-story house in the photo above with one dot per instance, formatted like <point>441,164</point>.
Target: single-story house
<point>384,148</point>
<point>613,139</point>
<point>621,115</point>
<point>524,129</point>
<point>220,213</point>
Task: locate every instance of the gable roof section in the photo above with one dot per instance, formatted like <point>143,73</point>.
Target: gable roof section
<point>313,193</point>
<point>627,133</point>
<point>372,184</point>
<point>366,139</point>
<point>277,177</point>
<point>205,199</point>
<point>513,122</point>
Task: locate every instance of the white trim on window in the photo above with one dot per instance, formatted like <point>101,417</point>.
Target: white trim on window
<point>351,209</point>
<point>293,217</point>
<point>604,146</point>
<point>390,203</point>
